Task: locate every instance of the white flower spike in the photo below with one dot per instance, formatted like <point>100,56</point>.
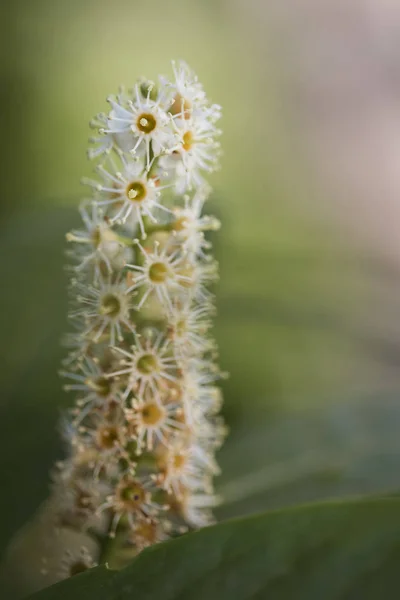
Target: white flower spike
<point>144,429</point>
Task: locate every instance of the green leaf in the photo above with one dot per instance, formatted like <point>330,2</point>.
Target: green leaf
<point>346,449</point>
<point>95,583</point>
<point>329,551</point>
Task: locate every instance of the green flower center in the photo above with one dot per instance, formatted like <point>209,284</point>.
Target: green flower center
<point>110,305</point>
<point>181,327</point>
<point>96,237</point>
<point>133,494</point>
<point>147,364</point>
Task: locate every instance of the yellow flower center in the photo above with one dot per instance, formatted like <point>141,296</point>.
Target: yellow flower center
<point>136,191</point>
<point>180,224</point>
<point>146,123</point>
<point>179,461</point>
<point>187,141</point>
<point>152,414</point>
<point>158,272</point>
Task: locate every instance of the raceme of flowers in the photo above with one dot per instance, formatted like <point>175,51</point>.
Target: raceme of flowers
<point>144,429</point>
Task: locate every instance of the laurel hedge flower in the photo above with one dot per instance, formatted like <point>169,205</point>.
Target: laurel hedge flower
<point>144,428</point>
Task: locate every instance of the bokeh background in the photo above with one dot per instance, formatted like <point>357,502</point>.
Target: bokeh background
<point>309,252</point>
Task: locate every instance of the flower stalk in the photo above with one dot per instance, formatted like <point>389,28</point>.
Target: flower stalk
<point>144,428</point>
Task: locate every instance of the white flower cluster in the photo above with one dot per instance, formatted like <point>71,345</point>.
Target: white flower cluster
<point>145,427</point>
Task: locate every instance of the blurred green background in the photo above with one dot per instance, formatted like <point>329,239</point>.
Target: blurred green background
<point>311,401</point>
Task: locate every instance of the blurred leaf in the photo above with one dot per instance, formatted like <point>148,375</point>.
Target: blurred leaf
<point>341,450</point>
<point>331,551</point>
<point>96,583</point>
<point>31,265</point>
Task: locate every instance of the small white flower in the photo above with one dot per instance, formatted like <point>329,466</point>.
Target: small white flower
<point>103,437</point>
<point>196,152</point>
<point>97,243</point>
<point>132,499</point>
<point>78,497</point>
<point>186,465</point>
<point>147,532</point>
<point>144,121</point>
<point>76,562</point>
<point>210,432</point>
<point>188,96</point>
<point>152,421</point>
<point>149,363</point>
<point>129,190</point>
<point>197,277</point>
<point>200,399</point>
<point>159,274</point>
<point>187,92</point>
<point>93,385</point>
<point>187,327</point>
<point>190,224</point>
<point>196,507</point>
<point>104,142</point>
<point>106,139</point>
<point>105,308</point>
<point>79,345</point>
